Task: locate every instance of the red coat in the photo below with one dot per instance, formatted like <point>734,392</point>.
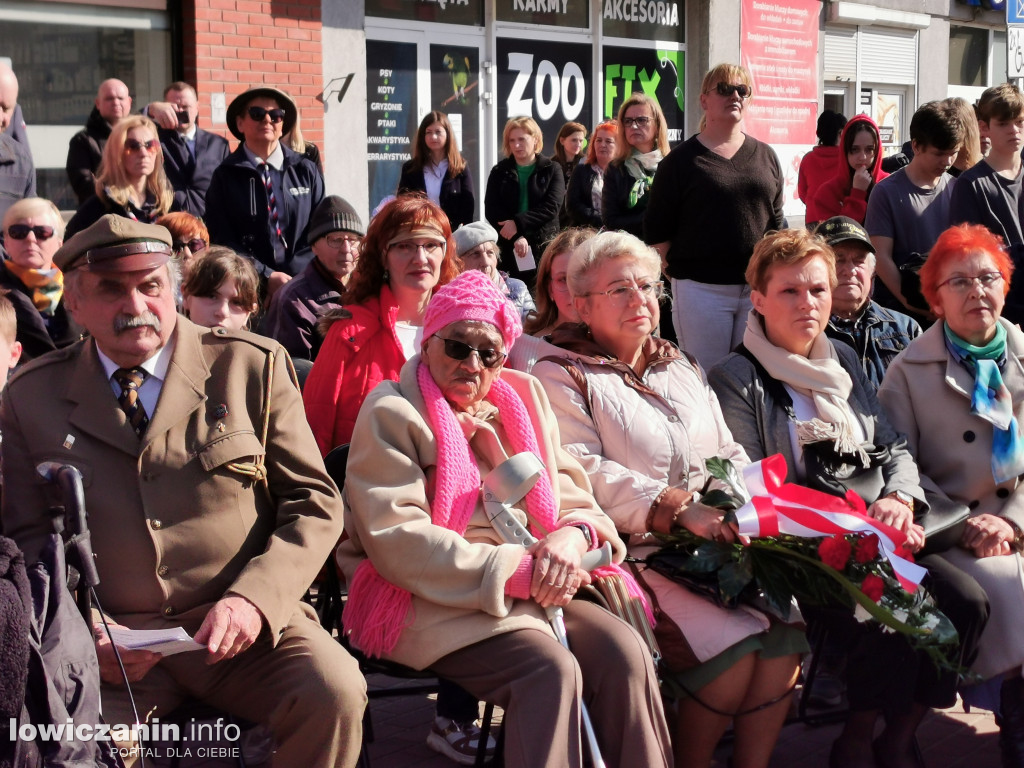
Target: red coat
<point>837,197</point>
<point>357,355</point>
<point>816,167</point>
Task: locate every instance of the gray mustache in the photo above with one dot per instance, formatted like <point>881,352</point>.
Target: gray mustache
<point>124,323</point>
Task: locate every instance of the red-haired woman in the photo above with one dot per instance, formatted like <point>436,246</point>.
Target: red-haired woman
<point>858,169</point>
<point>957,393</point>
<point>407,254</point>
<point>439,169</point>
<point>583,194</point>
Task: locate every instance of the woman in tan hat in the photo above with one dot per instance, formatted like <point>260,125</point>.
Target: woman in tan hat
<point>261,198</point>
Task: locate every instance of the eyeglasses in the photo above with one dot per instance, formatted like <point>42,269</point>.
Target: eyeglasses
<point>726,89</point>
<point>624,293</point>
<point>134,145</point>
<point>196,244</point>
<point>636,122</point>
<point>962,283</point>
<point>457,350</point>
<point>258,113</point>
<point>410,249</point>
<point>337,241</point>
<point>20,231</point>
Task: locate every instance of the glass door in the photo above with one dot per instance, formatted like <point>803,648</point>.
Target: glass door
<point>410,72</point>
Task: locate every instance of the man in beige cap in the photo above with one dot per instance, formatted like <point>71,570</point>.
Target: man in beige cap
<point>208,503</point>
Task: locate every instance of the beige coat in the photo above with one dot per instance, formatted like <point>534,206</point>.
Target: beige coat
<point>927,396</point>
<point>172,528</point>
<point>457,582</point>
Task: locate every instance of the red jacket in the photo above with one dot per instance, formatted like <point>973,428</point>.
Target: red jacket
<point>816,167</point>
<point>358,354</point>
<point>837,197</point>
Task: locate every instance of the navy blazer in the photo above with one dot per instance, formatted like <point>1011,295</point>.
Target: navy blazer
<point>191,177</point>
<point>457,198</point>
<point>236,209</point>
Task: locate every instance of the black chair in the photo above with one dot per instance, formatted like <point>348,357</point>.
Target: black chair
<point>331,612</point>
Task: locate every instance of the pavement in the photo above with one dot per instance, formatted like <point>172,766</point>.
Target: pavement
<point>949,738</point>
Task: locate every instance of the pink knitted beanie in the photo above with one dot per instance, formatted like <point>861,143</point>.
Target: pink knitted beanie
<point>472,296</point>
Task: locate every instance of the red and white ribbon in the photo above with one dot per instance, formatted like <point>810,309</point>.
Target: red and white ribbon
<point>777,507</point>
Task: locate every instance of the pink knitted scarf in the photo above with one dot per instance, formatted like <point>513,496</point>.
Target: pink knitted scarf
<point>378,611</point>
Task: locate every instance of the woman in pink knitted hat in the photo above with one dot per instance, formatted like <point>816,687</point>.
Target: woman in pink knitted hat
<point>431,583</point>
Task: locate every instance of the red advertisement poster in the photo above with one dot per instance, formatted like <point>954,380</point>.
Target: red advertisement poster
<point>779,47</point>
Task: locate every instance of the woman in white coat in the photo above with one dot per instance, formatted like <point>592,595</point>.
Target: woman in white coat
<point>640,417</point>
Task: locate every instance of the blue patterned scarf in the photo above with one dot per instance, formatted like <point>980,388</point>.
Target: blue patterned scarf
<point>991,401</point>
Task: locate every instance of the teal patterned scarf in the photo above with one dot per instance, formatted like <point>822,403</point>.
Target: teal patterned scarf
<point>991,401</point>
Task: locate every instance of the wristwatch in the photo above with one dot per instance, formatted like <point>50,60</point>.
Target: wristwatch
<point>903,498</point>
<point>1018,536</point>
<point>586,534</point>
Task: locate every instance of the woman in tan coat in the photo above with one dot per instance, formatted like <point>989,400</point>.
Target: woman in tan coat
<point>433,585</point>
<point>957,393</point>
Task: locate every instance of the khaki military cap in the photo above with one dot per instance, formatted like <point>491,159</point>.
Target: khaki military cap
<point>115,244</point>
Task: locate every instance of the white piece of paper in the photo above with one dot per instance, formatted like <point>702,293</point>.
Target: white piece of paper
<point>526,262</point>
<point>164,641</point>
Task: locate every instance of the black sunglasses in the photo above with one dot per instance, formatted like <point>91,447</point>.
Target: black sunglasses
<point>725,89</point>
<point>457,350</point>
<point>196,244</point>
<point>258,113</point>
<point>20,231</point>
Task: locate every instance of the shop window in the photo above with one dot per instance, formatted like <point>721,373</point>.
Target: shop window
<point>60,67</point>
<point>968,56</point>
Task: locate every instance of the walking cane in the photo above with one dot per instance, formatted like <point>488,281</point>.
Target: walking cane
<point>505,485</point>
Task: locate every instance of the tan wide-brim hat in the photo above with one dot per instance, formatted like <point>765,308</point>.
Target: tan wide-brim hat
<point>241,101</point>
<point>115,244</point>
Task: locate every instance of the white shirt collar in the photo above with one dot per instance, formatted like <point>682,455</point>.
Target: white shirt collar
<point>156,366</point>
<point>190,134</point>
<point>275,161</point>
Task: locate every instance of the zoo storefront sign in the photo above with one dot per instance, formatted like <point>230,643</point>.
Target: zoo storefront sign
<point>550,83</point>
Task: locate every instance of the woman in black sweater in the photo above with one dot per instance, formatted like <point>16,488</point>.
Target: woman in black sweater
<point>713,199</point>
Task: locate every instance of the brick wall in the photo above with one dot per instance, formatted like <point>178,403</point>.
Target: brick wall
<point>230,45</point>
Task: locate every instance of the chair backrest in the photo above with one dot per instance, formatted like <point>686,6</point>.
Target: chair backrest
<point>336,462</point>
<point>302,369</point>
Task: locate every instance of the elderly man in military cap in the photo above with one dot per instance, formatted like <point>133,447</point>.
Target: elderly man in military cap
<point>878,334</point>
<point>260,199</point>
<point>208,503</point>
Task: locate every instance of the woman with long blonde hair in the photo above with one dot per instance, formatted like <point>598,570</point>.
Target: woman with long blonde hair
<point>130,181</point>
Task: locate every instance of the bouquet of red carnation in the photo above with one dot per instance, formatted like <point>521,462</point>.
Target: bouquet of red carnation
<point>855,569</point>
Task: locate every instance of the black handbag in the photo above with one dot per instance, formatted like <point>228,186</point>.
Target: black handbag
<point>910,281</point>
<point>837,473</point>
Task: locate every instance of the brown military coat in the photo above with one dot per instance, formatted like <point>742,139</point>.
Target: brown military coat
<point>173,529</point>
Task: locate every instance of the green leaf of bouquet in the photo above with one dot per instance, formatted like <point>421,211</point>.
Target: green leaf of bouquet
<point>724,470</point>
<point>719,499</point>
<point>733,577</point>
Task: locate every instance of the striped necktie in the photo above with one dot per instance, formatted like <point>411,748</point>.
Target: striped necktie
<point>130,379</point>
<point>275,220</point>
